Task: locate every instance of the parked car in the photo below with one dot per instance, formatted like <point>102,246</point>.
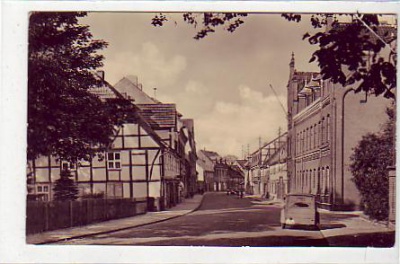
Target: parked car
<point>232,192</point>
<point>300,211</point>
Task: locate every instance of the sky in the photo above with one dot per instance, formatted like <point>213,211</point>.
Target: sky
<point>222,81</point>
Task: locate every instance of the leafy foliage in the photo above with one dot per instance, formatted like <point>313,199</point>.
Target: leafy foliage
<point>209,21</point>
<point>369,162</point>
<point>353,52</point>
<point>65,189</point>
<point>64,118</point>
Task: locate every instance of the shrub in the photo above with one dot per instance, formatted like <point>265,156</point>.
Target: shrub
<point>65,188</point>
<point>369,162</point>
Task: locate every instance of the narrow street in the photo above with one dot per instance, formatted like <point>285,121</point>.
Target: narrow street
<point>221,220</point>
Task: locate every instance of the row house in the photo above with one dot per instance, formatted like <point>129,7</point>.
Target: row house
<point>176,132</point>
<point>325,122</point>
<point>256,172</point>
<point>220,174</point>
<point>131,168</point>
<point>143,160</point>
<point>190,179</point>
<point>228,176</point>
<point>206,161</point>
<point>276,168</point>
<point>266,169</point>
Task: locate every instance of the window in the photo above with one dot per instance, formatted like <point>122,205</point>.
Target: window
<point>42,189</point>
<point>323,130</point>
<point>319,181</point>
<point>114,160</point>
<point>66,165</point>
<point>298,143</point>
<point>314,180</point>
<point>307,136</point>
<point>323,181</point>
<point>327,180</point>
<point>315,136</point>
<point>328,126</point>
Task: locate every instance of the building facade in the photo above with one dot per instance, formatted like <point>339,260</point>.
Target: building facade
<point>276,168</point>
<point>325,122</point>
<point>228,176</point>
<point>206,160</point>
<point>150,157</point>
<point>177,133</point>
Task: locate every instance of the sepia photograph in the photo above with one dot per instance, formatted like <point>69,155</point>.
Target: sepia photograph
<point>210,129</point>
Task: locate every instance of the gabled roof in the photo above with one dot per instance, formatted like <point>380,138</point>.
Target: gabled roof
<point>242,163</point>
<point>131,89</point>
<point>159,115</point>
<point>106,91</point>
<point>211,154</point>
<point>276,156</point>
<point>304,76</point>
<point>109,92</point>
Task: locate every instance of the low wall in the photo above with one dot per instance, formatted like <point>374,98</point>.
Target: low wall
<point>47,216</point>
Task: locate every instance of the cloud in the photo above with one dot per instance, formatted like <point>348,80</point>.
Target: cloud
<point>193,101</point>
<point>232,125</point>
<point>149,63</point>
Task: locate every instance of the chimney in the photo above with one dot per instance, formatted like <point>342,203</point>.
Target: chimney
<point>100,74</point>
<point>329,22</point>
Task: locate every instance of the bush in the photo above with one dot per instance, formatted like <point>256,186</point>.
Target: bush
<point>369,162</point>
<point>65,188</point>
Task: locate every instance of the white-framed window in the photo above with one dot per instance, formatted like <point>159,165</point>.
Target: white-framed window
<point>66,165</point>
<point>114,160</point>
<point>42,192</point>
<point>42,188</point>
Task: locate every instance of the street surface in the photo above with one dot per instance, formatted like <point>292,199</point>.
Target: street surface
<point>221,220</point>
<point>224,220</point>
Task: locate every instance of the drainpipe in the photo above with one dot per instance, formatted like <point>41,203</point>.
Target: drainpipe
<point>342,134</point>
<point>343,131</point>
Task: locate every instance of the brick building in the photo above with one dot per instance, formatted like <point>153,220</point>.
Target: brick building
<point>325,122</point>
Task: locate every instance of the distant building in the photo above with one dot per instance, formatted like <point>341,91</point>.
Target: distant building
<point>227,176</point>
<point>276,168</point>
<point>206,160</point>
<point>266,169</point>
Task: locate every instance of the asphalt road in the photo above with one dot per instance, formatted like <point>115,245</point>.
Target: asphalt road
<point>221,220</point>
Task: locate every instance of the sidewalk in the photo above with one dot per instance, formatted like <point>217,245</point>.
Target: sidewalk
<point>187,206</point>
<point>349,223</point>
<point>337,223</point>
